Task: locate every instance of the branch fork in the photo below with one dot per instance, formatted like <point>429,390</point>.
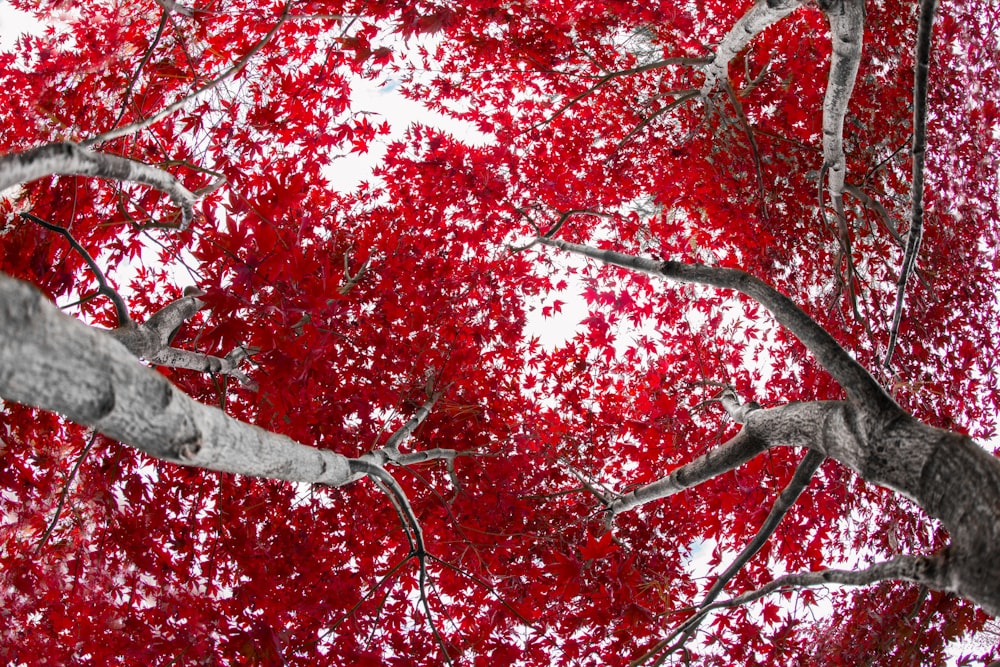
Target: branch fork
<point>152,339</point>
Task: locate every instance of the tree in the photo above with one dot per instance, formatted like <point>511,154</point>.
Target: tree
<point>516,508</point>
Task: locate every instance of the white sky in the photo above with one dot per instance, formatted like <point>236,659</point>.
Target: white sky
<point>12,24</point>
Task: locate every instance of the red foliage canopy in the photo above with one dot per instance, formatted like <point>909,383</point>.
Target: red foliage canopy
<point>362,303</point>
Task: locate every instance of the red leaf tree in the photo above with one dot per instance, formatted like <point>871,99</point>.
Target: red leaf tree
<point>251,418</point>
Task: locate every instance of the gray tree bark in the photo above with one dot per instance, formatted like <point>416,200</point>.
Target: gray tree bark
<point>951,477</point>
<point>68,158</point>
<point>57,363</point>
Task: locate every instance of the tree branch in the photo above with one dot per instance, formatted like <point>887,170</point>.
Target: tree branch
<point>738,412</point>
<point>147,339</point>
<point>351,281</point>
<point>71,159</point>
<point>914,235</point>
<point>65,492</point>
<point>873,204</point>
<point>682,97</point>
<point>173,357</point>
<point>611,76</point>
<point>800,480</point>
<point>151,341</point>
<point>414,533</point>
<point>741,117</point>
<point>733,453</point>
<point>859,384</point>
<point>57,363</point>
<point>563,217</point>
<point>146,56</point>
<point>378,474</point>
<point>236,67</point>
<point>764,13</point>
<point>172,6</point>
<point>103,287</point>
<point>435,454</point>
<point>403,433</point>
<point>847,27</point>
<point>918,569</point>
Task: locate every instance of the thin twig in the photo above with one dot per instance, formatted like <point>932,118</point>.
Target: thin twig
<point>745,124</point>
<point>566,216</point>
<point>234,69</point>
<point>65,492</point>
<point>121,310</point>
<point>913,236</point>
<point>683,96</point>
<point>145,59</point>
<point>611,76</point>
<point>388,575</point>
<point>172,6</point>
<point>871,203</point>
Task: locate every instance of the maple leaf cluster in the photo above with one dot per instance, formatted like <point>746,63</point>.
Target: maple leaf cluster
<point>360,305</point>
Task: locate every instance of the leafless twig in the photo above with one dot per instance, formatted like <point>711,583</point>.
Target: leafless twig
<point>65,492</point>
<point>103,287</point>
<point>913,236</point>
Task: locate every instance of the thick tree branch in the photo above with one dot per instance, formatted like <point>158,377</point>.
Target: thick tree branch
<point>71,159</point>
<point>871,434</point>
<point>424,455</point>
<point>822,427</point>
<point>173,357</point>
<point>759,17</point>
<point>914,235</point>
<point>151,341</point>
<point>847,28</point>
<point>731,454</point>
<point>57,363</point>
<point>859,384</point>
<point>54,362</point>
<point>737,411</point>
<point>148,339</point>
